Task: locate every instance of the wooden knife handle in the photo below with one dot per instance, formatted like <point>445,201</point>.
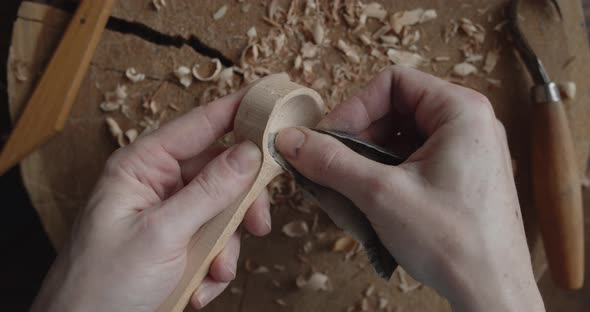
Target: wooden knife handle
<point>557,194</point>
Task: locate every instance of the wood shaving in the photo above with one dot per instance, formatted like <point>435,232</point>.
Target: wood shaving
<point>226,77</point>
<point>212,75</point>
<point>272,9</point>
<point>307,247</point>
<point>280,302</point>
<point>344,244</point>
<point>149,103</point>
<point>365,305</point>
<point>399,20</point>
<point>297,228</point>
<point>309,50</point>
<point>440,59</point>
<point>158,4</point>
<point>252,34</point>
<point>369,291</point>
<point>20,71</point>
<point>278,42</point>
<point>319,84</point>
<point>311,6</point>
<point>366,39</point>
<point>404,286</point>
<point>308,66</point>
<point>473,58</point>
<point>122,138</point>
<point>316,282</point>
<point>496,83</point>
<point>464,69</point>
<point>131,135</point>
<point>451,30</point>
<point>318,32</point>
<point>348,51</point>
<point>405,58</point>
<point>261,269</point>
<point>475,31</point>
<point>134,76</point>
<point>500,25</point>
<point>249,55</point>
<point>297,62</point>
<point>492,58</point>
<point>279,267</point>
<point>382,303</point>
<point>220,13</point>
<point>382,31</point>
<point>390,41</point>
<point>235,290</point>
<point>410,38</point>
<point>254,268</point>
<point>568,90</point>
<point>184,76</point>
<point>372,10</point>
<point>113,100</point>
<point>114,128</point>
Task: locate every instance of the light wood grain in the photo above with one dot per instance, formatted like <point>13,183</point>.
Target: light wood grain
<point>271,104</point>
<point>51,102</point>
<point>558,195</point>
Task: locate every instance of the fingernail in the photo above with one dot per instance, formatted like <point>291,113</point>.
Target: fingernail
<point>267,220</point>
<point>203,296</point>
<point>289,141</point>
<point>231,269</point>
<point>245,157</point>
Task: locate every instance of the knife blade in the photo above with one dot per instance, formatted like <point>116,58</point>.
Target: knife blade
<point>343,212</point>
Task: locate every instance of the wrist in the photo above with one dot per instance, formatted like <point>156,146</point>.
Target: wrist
<point>58,291</point>
<point>496,292</point>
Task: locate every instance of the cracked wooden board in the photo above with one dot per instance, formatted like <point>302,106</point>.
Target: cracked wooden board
<point>57,196</point>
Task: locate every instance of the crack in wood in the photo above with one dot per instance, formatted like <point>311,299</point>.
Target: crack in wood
<point>149,34</point>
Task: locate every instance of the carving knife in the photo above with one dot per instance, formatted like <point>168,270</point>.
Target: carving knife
<point>343,212</point>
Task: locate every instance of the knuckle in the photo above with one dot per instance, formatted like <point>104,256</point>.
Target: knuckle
<point>475,105</point>
<point>379,188</point>
<point>209,184</point>
<point>481,104</point>
<point>116,161</point>
<point>155,227</point>
<point>501,127</point>
<point>329,161</point>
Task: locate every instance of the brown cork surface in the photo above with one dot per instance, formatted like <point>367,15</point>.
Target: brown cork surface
<point>61,174</point>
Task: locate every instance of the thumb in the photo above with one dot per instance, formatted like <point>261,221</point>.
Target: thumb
<point>330,163</point>
<point>219,185</point>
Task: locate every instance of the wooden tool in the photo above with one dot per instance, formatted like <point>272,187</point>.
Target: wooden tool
<point>49,106</point>
<point>556,178</point>
<point>271,104</point>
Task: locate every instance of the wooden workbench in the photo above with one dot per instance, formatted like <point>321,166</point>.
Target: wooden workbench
<point>61,174</point>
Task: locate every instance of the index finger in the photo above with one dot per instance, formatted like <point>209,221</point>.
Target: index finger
<point>193,132</point>
<point>429,100</point>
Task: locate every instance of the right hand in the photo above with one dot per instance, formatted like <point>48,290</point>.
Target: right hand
<point>450,213</point>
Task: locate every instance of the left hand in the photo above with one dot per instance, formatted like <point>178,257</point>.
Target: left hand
<point>128,247</point>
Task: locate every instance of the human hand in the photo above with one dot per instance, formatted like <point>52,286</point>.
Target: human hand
<point>450,213</point>
<point>128,247</point>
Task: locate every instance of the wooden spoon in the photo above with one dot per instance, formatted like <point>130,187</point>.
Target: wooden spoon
<point>273,103</point>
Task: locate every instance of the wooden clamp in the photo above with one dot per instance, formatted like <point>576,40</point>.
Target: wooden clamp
<point>273,103</point>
